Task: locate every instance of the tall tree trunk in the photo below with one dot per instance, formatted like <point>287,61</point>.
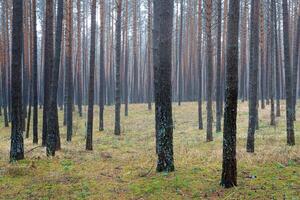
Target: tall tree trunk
<point>253,68</point>
<point>200,121</point>
<point>17,143</point>
<point>126,59</point>
<point>35,75</point>
<point>163,26</point>
<point>69,69</point>
<point>229,166</point>
<point>4,67</point>
<point>102,67</point>
<point>218,78</point>
<point>288,77</point>
<point>180,85</point>
<point>209,70</point>
<point>89,132</point>
<point>79,60</point>
<point>48,64</point>
<point>295,62</point>
<point>149,54</point>
<point>278,68</point>
<point>118,67</point>
<point>262,55</point>
<point>53,125</point>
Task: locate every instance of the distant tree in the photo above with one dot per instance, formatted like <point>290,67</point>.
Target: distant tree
<point>126,59</point>
<point>35,74</point>
<point>135,51</point>
<point>200,121</point>
<point>79,59</point>
<point>278,66</point>
<point>180,55</point>
<point>90,117</point>
<point>295,61</point>
<point>17,143</point>
<point>229,166</point>
<point>272,64</point>
<point>288,76</point>
<point>253,69</point>
<point>118,68</point>
<point>149,54</point>
<point>209,70</point>
<point>262,54</point>
<point>4,67</point>
<point>102,66</point>
<point>218,77</point>
<point>69,69</point>
<point>162,34</point>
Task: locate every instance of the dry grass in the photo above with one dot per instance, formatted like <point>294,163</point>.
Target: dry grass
<point>124,167</point>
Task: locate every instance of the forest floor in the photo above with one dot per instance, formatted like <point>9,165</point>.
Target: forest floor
<point>124,167</point>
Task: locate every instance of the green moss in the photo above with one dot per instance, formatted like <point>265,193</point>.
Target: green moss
<point>124,167</point>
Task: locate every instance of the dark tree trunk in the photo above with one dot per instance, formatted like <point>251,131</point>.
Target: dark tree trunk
<point>288,77</point>
<point>49,50</point>
<point>229,166</point>
<point>253,69</point>
<point>17,143</point>
<point>48,64</point>
<point>102,67</point>
<point>118,67</point>
<point>90,117</point>
<point>53,125</point>
<point>163,15</point>
<point>209,70</point>
<point>200,121</point>
<point>35,75</point>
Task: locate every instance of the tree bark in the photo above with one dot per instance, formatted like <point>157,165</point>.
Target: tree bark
<point>89,136</point>
<point>288,77</point>
<point>229,166</point>
<point>163,23</point>
<point>253,69</point>
<point>17,143</point>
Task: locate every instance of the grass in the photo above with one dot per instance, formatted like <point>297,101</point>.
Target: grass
<point>124,167</point>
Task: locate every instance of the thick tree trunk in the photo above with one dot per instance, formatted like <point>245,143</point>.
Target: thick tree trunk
<point>17,143</point>
<point>253,69</point>
<point>229,166</point>
<point>163,22</point>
